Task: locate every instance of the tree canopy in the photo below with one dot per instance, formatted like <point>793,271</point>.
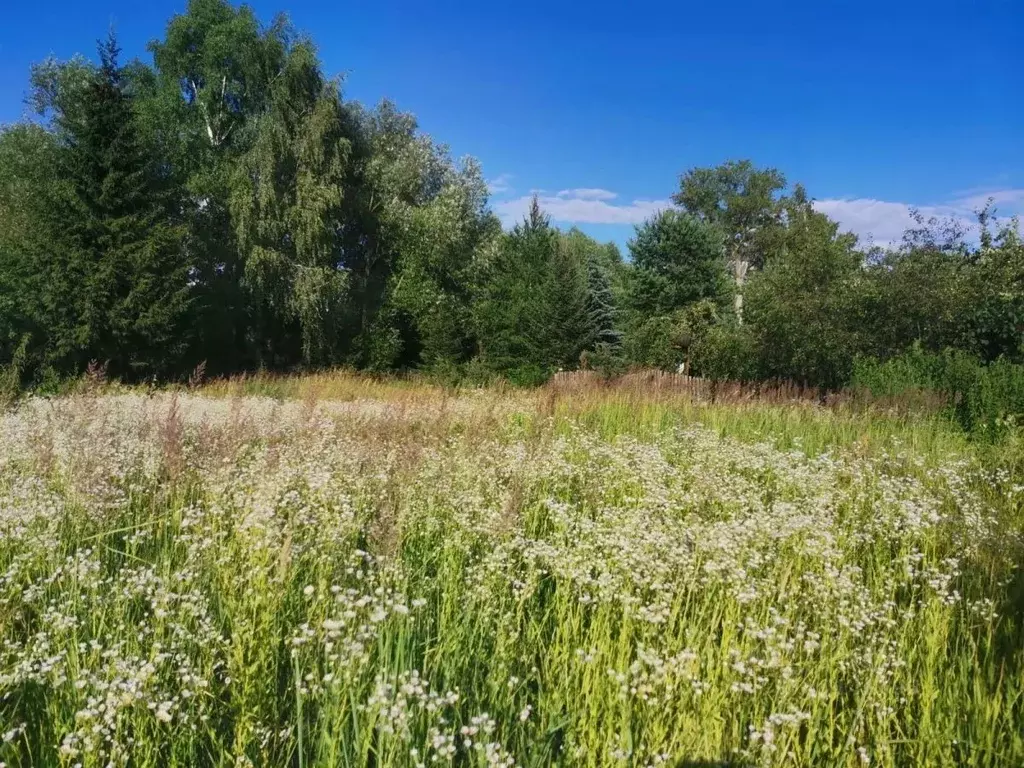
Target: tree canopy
<point>223,204</point>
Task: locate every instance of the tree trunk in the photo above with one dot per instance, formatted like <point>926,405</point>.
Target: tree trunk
<point>740,267</point>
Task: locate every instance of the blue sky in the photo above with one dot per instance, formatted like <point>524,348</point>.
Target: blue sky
<point>875,107</point>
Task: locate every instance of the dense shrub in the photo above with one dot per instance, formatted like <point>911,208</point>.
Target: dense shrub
<point>726,352</point>
<point>986,399</point>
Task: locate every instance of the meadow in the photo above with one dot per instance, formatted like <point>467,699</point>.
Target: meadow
<point>336,571</point>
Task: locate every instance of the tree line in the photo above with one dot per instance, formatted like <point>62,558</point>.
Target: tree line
<point>224,205</point>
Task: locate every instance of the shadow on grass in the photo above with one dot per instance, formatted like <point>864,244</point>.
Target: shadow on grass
<point>1009,641</point>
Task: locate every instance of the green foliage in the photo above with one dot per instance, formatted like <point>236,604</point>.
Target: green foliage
<point>112,274</point>
<point>985,399</point>
<point>286,198</point>
<point>996,315</point>
<point>653,342</point>
<point>225,205</point>
<point>546,299</point>
<point>439,243</point>
<point>200,105</point>
<point>218,65</point>
<point>677,265</point>
<point>11,374</point>
<point>727,352</point>
<point>511,314</point>
<point>742,201</point>
<point>578,318</point>
<point>602,315</point>
<point>29,183</point>
<point>803,307</point>
<point>918,294</point>
<point>677,259</point>
<point>606,359</point>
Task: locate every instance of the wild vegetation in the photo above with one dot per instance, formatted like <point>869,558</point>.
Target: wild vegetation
<point>222,204</point>
<point>272,492</point>
<point>396,575</point>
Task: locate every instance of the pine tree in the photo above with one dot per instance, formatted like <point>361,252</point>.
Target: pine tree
<point>118,284</point>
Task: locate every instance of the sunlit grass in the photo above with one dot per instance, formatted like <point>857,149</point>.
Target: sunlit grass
<point>338,571</point>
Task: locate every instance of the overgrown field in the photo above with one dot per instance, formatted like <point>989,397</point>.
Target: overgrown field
<point>414,579</point>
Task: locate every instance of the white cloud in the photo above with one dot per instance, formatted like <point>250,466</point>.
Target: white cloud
<point>581,206</point>
<point>876,222</point>
<point>588,194</point>
<point>882,222</point>
<point>1006,201</point>
<point>500,184</point>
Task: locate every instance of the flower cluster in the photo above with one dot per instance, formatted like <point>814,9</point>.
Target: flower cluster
<point>194,580</point>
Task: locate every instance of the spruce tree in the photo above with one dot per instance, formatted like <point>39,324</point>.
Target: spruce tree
<point>117,281</point>
<point>513,317</point>
<point>601,312</point>
<point>570,329</point>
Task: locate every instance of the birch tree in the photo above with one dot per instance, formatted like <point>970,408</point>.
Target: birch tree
<point>746,204</point>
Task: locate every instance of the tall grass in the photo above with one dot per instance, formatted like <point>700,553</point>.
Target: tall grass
<point>404,576</point>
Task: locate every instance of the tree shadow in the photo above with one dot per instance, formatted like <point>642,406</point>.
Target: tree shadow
<point>1009,640</point>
